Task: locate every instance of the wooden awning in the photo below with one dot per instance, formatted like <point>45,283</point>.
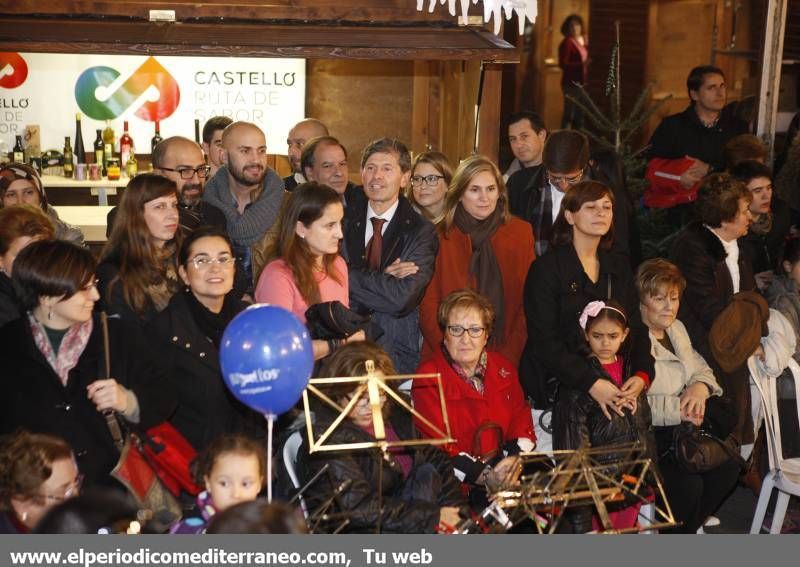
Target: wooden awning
<point>419,40</point>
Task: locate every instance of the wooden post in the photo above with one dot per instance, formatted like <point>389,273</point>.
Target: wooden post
<point>489,122</point>
<point>771,63</point>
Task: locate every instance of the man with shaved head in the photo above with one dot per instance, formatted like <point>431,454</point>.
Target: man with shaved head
<point>302,132</point>
<point>245,189</point>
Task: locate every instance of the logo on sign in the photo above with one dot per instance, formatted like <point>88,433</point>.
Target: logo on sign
<point>93,98</point>
<point>13,70</point>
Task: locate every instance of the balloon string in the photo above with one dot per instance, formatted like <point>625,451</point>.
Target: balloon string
<point>270,421</point>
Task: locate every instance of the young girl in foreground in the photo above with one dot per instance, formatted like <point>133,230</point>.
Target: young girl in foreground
<point>605,326</point>
<point>232,469</point>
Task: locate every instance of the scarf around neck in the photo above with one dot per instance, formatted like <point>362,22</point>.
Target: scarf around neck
<point>71,349</point>
<point>211,324</point>
<point>483,265</point>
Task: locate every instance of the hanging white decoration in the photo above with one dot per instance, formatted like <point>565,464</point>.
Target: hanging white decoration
<point>491,8</point>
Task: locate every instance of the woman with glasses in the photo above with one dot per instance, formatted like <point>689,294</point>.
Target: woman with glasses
<point>37,472</point>
<point>430,176</point>
<point>187,335</point>
<point>481,247</point>
<point>55,357</point>
<point>137,270</point>
<point>488,415</point>
<point>21,185</point>
<point>419,492</point>
<point>305,266</point>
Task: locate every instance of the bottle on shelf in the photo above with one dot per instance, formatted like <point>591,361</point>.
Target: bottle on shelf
<point>132,167</point>
<point>80,149</point>
<point>197,131</point>
<point>108,144</point>
<point>125,146</point>
<point>156,137</point>
<point>99,148</point>
<point>19,151</point>
<point>69,166</point>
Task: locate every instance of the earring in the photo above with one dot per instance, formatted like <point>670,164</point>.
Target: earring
<point>50,313</point>
<point>303,236</point>
<point>24,516</point>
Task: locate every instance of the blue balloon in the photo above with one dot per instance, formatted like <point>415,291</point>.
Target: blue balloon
<point>266,358</point>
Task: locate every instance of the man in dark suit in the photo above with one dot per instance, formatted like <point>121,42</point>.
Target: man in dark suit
<point>324,160</point>
<point>390,251</point>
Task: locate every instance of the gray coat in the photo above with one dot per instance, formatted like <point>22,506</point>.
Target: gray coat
<point>392,302</point>
<point>784,296</point>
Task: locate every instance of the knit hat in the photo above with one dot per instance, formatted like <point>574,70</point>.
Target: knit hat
<point>737,331</point>
<point>11,172</point>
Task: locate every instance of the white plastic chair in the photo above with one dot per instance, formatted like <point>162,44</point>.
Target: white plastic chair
<point>784,474</point>
<point>290,449</point>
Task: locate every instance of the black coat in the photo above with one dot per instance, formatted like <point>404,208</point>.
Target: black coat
<point>35,400</point>
<point>112,299</point>
<point>361,468</point>
<point>683,134</point>
<point>9,303</point>
<point>525,202</point>
<point>392,302</point>
<point>556,291</point>
<point>206,408</point>
<point>709,289</point>
<point>766,250</point>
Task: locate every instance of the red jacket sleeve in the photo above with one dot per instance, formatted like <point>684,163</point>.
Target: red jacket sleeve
<point>521,419</point>
<point>425,395</point>
<point>665,189</point>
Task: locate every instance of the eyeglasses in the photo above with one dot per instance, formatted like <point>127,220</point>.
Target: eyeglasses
<point>430,180</point>
<point>561,179</point>
<point>204,262</point>
<point>188,172</point>
<point>72,490</point>
<point>458,330</point>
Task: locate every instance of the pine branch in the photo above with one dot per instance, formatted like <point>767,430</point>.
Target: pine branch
<point>592,111</point>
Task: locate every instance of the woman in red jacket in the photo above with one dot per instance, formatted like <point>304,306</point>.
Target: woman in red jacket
<point>481,247</point>
<point>573,58</point>
<point>486,409</point>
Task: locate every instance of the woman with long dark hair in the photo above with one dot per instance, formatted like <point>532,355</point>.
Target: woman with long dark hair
<point>137,272</point>
<point>305,266</point>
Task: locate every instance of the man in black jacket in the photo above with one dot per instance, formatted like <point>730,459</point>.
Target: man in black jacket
<point>324,160</point>
<point>526,136</point>
<point>390,251</point>
<point>565,163</point>
<point>302,132</point>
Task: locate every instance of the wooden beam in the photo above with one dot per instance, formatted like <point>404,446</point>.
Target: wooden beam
<point>771,73</point>
<point>253,40</point>
<point>489,121</point>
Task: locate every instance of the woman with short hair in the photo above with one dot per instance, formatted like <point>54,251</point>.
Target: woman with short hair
<point>484,248</point>
<point>19,226</point>
<point>682,386</point>
<point>137,271</point>
<point>37,472</point>
<point>54,355</point>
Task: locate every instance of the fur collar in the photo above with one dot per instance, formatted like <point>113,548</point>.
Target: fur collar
<point>708,239</point>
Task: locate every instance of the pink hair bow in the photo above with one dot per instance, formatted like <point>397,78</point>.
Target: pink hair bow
<point>593,309</point>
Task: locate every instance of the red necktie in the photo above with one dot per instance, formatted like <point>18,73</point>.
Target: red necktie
<point>375,244</point>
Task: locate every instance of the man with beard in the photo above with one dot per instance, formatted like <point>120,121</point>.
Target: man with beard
<point>302,132</point>
<point>181,160</point>
<point>247,192</point>
<point>390,251</point>
<point>324,160</point>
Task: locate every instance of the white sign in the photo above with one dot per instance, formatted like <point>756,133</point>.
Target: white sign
<point>49,89</point>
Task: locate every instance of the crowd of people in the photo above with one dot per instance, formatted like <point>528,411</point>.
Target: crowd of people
<point>528,296</point>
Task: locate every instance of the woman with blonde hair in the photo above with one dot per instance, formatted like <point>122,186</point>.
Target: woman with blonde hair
<point>138,271</point>
<point>305,267</point>
<point>484,248</point>
<point>431,175</point>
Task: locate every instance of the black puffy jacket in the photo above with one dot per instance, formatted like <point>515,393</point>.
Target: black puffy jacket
<point>359,502</point>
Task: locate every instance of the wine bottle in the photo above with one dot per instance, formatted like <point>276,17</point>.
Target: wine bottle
<point>156,138</point>
<point>19,151</point>
<point>197,131</point>
<point>108,144</point>
<point>99,149</point>
<point>69,166</point>
<point>125,146</point>
<point>80,149</point>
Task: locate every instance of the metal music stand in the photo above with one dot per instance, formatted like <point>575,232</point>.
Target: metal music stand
<point>373,383</point>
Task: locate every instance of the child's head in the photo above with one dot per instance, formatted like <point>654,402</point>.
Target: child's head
<point>605,326</point>
<point>791,260</point>
<point>233,468</point>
